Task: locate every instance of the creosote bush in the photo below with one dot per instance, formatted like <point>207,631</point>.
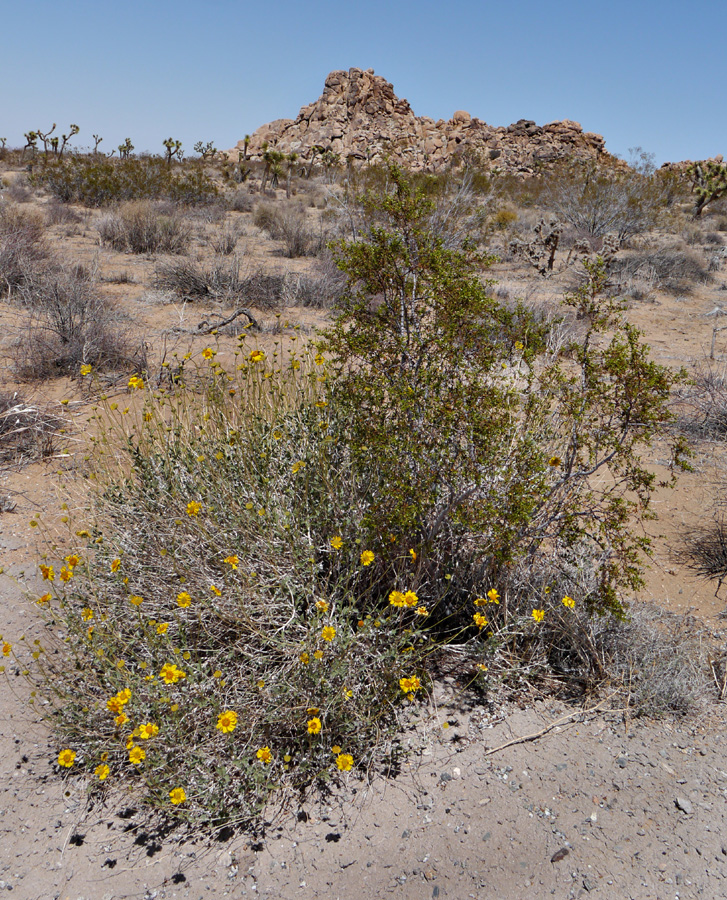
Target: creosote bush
<point>319,524</point>
<point>100,181</point>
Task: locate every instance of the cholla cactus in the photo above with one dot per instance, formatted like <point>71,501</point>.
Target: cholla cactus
<point>709,182</point>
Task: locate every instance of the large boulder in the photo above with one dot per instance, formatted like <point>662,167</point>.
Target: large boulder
<point>359,118</point>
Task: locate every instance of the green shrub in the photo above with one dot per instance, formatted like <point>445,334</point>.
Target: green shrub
<point>100,181</point>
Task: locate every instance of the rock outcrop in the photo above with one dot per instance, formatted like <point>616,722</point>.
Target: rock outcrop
<point>358,117</point>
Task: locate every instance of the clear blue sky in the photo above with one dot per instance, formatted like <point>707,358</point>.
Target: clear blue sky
<point>642,73</point>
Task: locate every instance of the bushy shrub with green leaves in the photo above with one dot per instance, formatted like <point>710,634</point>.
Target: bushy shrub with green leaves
<point>100,181</point>
<point>483,443</point>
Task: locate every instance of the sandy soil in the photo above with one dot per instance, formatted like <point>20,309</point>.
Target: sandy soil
<point>596,804</point>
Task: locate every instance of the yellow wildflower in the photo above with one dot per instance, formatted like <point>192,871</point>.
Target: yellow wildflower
<point>396,598</point>
<point>413,555</point>
<point>265,755</point>
<point>102,772</point>
<point>215,590</point>
<point>46,598</point>
<point>232,560</point>
<point>409,685</point>
<point>322,605</point>
<point>421,611</point>
<point>328,633</point>
<point>137,756</point>
<point>193,508</point>
<point>337,542</point>
<point>136,383</point>
<point>177,796</point>
<point>86,614</point>
<point>115,564</point>
<point>208,353</point>
<point>538,615</point>
<point>148,730</point>
<point>480,620</point>
<point>66,758</point>
<point>162,627</point>
<point>7,648</point>
<point>136,600</point>
<point>314,725</point>
<point>184,600</point>
<point>170,674</point>
<point>304,658</point>
<point>493,596</point>
<point>47,573</point>
<point>73,560</point>
<point>367,557</point>
<point>410,599</point>
<point>86,369</point>
<point>257,356</point>
<point>227,721</point>
<point>344,761</point>
<point>568,602</point>
<point>318,654</point>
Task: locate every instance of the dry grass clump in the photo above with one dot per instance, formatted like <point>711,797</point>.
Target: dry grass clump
<point>703,403</point>
<point>145,227</point>
<point>674,269</point>
<point>703,550</point>
<point>26,430</point>
<point>288,223</point>
<point>69,323</point>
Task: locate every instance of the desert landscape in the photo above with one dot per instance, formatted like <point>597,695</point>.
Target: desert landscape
<point>378,691</point>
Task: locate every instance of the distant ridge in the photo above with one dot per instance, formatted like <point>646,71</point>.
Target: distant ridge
<point>359,117</point>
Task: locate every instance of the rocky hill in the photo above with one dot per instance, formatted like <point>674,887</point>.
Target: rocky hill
<point>359,118</point>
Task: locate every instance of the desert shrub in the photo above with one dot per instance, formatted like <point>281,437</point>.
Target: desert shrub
<point>316,532</point>
<point>57,213</point>
<point>597,201</point>
<point>241,201</point>
<point>23,247</point>
<point>703,550</point>
<point>144,227</point>
<point>16,190</point>
<point>418,339</point>
<point>100,181</point>
<point>703,403</point>
<point>287,222</point>
<point>26,430</point>
<point>673,269</point>
<point>224,240</point>
<point>192,281</point>
<point>70,324</point>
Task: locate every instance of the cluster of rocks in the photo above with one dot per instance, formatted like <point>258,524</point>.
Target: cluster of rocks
<point>359,118</point>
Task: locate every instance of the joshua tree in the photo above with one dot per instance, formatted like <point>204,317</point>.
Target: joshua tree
<point>173,148</point>
<point>97,140</point>
<point>291,159</point>
<point>206,151</point>
<point>46,138</point>
<point>31,142</point>
<point>126,149</point>
<point>74,129</point>
<point>246,143</point>
<point>709,182</point>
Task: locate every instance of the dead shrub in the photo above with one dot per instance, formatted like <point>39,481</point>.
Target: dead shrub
<point>662,659</point>
<point>69,323</point>
<point>23,248</point>
<point>145,227</point>
<point>224,241</point>
<point>703,403</point>
<point>704,551</point>
<point>57,213</point>
<point>191,281</point>
<point>241,201</point>
<point>26,430</point>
